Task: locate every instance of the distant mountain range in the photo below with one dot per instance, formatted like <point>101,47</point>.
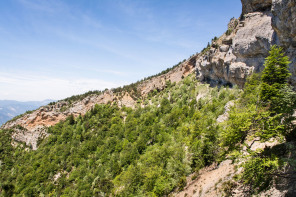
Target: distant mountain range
<point>11,108</point>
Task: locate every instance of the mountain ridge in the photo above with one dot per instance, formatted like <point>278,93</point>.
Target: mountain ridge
<point>169,134</point>
<point>35,123</point>
<point>11,108</point>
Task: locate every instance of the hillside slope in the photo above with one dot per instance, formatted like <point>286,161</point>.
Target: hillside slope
<point>143,151</point>
<point>229,60</point>
<point>169,132</point>
<point>35,123</point>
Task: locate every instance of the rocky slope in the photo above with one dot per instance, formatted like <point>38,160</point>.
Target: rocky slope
<point>228,61</point>
<point>30,127</point>
<point>245,45</point>
<point>216,180</point>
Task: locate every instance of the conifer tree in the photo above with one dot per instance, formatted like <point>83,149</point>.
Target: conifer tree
<point>275,76</point>
<point>276,93</point>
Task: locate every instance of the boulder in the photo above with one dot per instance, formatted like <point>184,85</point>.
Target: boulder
<point>224,48</point>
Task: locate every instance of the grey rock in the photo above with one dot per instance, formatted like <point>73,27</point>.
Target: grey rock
<point>223,117</point>
<point>224,48</point>
<point>284,20</point>
<point>244,49</point>
<point>255,37</point>
<point>241,52</point>
<point>284,23</point>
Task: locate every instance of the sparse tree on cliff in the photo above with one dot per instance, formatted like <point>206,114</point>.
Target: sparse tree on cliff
<point>274,77</point>
<point>275,91</point>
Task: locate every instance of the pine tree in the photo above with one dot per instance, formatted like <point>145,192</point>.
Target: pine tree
<point>277,93</point>
<point>275,76</point>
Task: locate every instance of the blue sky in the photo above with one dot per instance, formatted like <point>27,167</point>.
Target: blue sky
<point>55,49</point>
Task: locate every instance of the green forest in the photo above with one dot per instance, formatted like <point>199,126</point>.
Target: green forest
<point>149,151</point>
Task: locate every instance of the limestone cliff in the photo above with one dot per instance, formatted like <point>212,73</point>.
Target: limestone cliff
<point>245,45</point>
<point>284,24</point>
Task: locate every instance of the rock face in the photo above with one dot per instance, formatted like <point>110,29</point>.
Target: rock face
<point>239,53</point>
<point>284,23</point>
<point>244,47</point>
<point>30,137</point>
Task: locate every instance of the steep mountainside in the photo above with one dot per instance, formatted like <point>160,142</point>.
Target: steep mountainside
<point>145,151</point>
<point>169,134</point>
<point>229,60</point>
<point>35,123</point>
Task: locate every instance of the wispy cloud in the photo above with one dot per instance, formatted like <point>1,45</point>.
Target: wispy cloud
<point>115,72</point>
<point>105,71</point>
<point>99,43</point>
<point>38,87</point>
<point>91,21</point>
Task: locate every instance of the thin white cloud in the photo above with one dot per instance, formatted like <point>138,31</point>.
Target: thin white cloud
<point>106,45</point>
<point>91,21</point>
<point>36,87</point>
<point>113,72</point>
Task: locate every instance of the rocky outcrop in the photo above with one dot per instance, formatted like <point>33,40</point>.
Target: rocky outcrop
<point>175,75</point>
<point>30,137</point>
<point>223,117</point>
<point>239,53</point>
<point>284,23</point>
<point>228,61</point>
<point>244,47</point>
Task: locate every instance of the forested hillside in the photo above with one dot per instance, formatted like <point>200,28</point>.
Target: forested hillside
<point>149,150</point>
<point>145,151</point>
<point>229,108</point>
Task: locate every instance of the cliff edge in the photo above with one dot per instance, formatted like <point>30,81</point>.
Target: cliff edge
<point>245,45</point>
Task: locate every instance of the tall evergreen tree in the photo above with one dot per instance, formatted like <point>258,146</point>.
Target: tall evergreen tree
<point>275,76</point>
<point>276,93</point>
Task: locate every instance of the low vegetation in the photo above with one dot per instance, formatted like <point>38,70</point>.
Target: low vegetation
<point>264,111</point>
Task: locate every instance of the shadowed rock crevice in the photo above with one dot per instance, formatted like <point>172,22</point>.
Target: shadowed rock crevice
<point>256,6</point>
